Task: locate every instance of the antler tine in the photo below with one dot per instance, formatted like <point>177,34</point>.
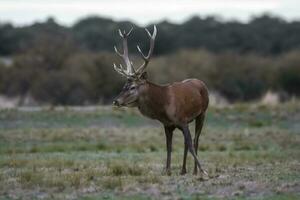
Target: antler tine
<point>129,70</point>
<point>124,34</point>
<point>147,58</point>
<point>154,32</point>
<point>129,32</point>
<point>119,69</point>
<point>117,51</point>
<point>139,49</point>
<point>120,33</point>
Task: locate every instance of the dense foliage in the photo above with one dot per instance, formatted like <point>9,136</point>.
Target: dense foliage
<point>264,35</point>
<point>73,65</point>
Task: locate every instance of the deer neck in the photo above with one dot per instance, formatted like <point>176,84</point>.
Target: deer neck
<point>152,101</point>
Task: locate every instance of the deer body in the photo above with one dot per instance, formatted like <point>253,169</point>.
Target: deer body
<point>174,105</point>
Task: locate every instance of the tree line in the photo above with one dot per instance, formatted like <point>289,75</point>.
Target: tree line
<point>73,65</point>
<point>266,35</point>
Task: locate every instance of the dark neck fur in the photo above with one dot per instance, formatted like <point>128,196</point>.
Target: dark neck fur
<point>152,101</point>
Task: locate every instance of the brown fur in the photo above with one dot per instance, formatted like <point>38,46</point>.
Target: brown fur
<point>175,104</point>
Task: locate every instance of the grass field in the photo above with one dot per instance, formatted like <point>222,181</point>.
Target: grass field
<point>250,152</point>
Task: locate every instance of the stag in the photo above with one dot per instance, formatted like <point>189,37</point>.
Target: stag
<point>174,105</point>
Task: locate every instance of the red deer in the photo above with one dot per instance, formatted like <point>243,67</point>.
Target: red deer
<point>174,105</point>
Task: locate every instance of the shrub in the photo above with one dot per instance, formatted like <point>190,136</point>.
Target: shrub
<point>289,73</point>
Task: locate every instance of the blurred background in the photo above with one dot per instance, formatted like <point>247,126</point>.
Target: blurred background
<point>61,52</point>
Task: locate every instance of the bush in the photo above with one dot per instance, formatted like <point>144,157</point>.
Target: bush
<point>183,64</point>
<point>88,78</point>
<point>240,78</point>
<point>289,73</point>
<point>3,74</point>
<point>59,88</point>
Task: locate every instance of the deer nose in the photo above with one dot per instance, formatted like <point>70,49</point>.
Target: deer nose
<point>116,103</point>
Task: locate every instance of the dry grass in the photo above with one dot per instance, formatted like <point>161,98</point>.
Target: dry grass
<point>249,151</point>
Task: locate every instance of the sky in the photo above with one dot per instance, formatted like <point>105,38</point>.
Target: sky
<point>142,12</point>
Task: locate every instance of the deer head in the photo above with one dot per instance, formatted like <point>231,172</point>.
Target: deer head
<point>135,78</point>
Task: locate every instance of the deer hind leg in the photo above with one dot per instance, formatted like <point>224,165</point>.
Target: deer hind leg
<point>198,129</point>
<point>183,169</point>
<point>169,135</point>
<point>188,140</point>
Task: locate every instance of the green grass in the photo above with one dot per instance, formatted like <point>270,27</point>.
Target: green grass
<point>250,152</point>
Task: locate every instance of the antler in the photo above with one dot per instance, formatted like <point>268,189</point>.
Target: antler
<point>146,59</point>
<point>129,71</point>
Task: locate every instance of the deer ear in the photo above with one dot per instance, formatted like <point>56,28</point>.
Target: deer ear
<point>144,76</point>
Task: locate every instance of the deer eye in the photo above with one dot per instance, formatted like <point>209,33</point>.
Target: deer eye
<point>132,87</point>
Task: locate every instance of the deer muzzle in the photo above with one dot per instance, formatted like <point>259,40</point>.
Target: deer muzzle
<point>116,103</point>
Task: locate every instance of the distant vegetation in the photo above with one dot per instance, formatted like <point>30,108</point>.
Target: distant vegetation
<point>267,35</point>
<point>73,65</point>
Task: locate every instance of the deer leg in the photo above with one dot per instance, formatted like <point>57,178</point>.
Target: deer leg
<point>183,170</point>
<point>198,129</point>
<point>188,140</point>
<point>169,135</point>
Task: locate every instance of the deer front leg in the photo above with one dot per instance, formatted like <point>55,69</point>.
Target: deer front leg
<point>169,135</point>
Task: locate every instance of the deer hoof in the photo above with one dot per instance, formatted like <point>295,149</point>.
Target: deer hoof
<point>204,172</point>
